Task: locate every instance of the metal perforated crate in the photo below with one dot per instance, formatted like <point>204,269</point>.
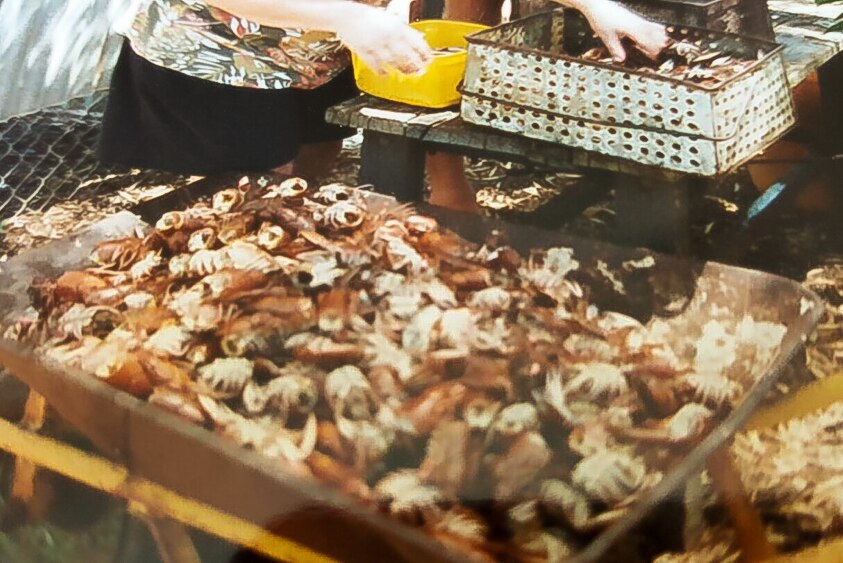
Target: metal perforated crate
<point>746,17</point>
<point>526,77</point>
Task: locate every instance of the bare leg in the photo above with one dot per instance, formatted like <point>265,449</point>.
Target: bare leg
<point>284,169</point>
<point>480,11</point>
<point>448,185</point>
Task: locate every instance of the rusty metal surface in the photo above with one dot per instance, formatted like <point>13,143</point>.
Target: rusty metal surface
<point>747,17</point>
<point>531,77</point>
<point>680,294</point>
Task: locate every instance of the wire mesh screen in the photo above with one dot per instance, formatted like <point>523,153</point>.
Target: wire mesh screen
<point>49,157</point>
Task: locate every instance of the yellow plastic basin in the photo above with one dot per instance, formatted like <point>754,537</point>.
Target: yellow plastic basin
<point>437,87</point>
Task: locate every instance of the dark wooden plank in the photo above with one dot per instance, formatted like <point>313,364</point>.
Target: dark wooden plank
<point>419,127</point>
<point>805,7</point>
<point>779,18</point>
<point>455,135</point>
<point>803,55</point>
<point>810,25</point>
<point>653,214</point>
<point>345,113</point>
<point>394,165</point>
<point>831,96</point>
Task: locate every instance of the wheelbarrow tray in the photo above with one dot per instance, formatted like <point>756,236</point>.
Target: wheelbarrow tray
<point>156,445</point>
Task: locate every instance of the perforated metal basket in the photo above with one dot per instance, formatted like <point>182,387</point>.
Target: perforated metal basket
<point>525,77</point>
<point>747,17</point>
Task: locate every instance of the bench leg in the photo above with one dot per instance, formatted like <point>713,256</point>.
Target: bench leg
<point>831,93</point>
<point>652,213</point>
<point>393,165</point>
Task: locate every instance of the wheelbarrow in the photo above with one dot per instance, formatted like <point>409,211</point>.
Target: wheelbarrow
<point>178,472</point>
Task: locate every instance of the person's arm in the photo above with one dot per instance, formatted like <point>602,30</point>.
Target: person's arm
<point>378,38</point>
<point>612,22</point>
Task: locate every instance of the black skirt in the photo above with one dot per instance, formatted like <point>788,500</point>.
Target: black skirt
<point>162,119</point>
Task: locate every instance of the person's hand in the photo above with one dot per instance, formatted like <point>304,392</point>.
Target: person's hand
<point>612,23</point>
<point>400,9</point>
<point>382,40</point>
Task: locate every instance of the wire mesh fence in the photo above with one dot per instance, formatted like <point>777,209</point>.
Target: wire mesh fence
<point>48,158</point>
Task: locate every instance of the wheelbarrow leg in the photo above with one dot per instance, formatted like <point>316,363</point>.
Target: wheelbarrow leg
<point>750,536</point>
<point>23,481</point>
<point>113,479</point>
<point>171,537</point>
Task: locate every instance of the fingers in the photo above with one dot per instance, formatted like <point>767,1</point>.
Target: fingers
<point>421,47</point>
<point>406,60</point>
<point>400,9</point>
<point>389,43</point>
<point>409,53</point>
<point>373,60</point>
<point>652,41</point>
<point>613,44</point>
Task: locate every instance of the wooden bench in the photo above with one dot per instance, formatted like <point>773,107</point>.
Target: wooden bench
<point>396,137</point>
